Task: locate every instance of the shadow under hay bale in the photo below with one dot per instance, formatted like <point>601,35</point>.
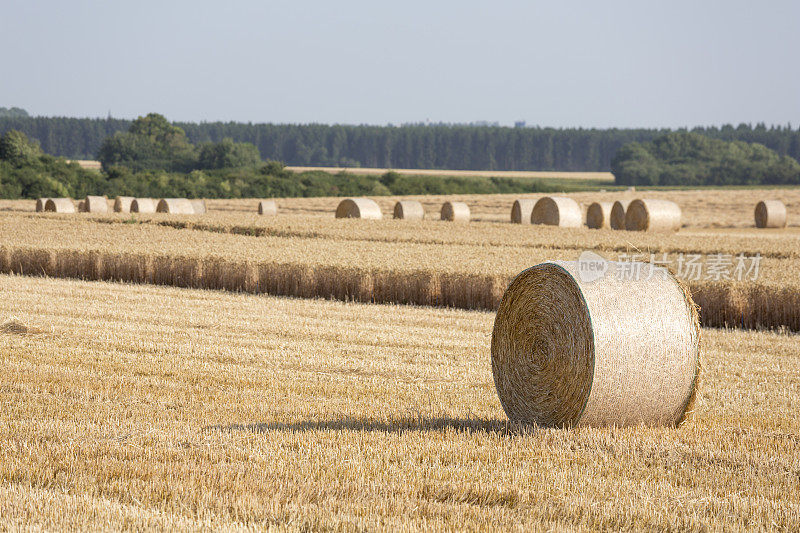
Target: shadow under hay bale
<point>409,210</point>
<point>770,214</point>
<point>653,215</point>
<point>359,208</point>
<point>557,211</point>
<point>595,351</point>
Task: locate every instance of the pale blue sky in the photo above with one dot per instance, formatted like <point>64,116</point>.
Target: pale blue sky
<point>562,64</point>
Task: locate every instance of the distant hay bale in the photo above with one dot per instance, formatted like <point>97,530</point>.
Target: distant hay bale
<point>122,204</point>
<point>59,205</point>
<point>521,211</point>
<point>267,207</point>
<point>95,204</point>
<point>359,208</point>
<point>557,211</point>
<point>409,210</point>
<point>175,206</point>
<point>653,215</point>
<point>143,205</point>
<point>82,206</point>
<point>618,214</point>
<point>199,206</point>
<point>599,215</point>
<point>455,212</point>
<point>770,214</point>
<point>579,347</point>
<point>40,204</point>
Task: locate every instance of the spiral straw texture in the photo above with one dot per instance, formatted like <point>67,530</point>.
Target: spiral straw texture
<point>607,352</point>
<point>267,207</point>
<point>143,205</point>
<point>617,219</point>
<point>59,205</point>
<point>455,212</point>
<point>409,210</point>
<point>122,204</point>
<point>358,208</point>
<point>599,215</point>
<point>653,215</point>
<point>770,214</point>
<point>557,211</point>
<point>175,206</point>
<point>521,211</point>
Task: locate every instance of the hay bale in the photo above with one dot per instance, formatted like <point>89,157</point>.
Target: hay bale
<point>599,215</point>
<point>521,211</point>
<point>82,206</point>
<point>59,205</point>
<point>570,349</point>
<point>40,204</point>
<point>455,212</point>
<point>175,206</point>
<point>770,214</point>
<point>557,211</point>
<point>618,214</point>
<point>95,204</point>
<point>267,207</point>
<point>409,210</point>
<point>199,206</point>
<point>652,215</point>
<point>358,208</point>
<point>143,205</point>
<point>122,204</point>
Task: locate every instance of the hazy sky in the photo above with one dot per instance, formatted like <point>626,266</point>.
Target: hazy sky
<point>590,64</point>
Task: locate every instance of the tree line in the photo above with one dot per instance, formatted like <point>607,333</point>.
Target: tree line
<point>409,146</point>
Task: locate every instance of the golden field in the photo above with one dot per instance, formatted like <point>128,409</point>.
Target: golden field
<point>135,406</point>
<point>363,171</point>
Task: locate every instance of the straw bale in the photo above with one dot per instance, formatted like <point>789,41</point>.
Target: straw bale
<point>569,349</point>
<point>95,204</point>
<point>81,206</point>
<point>409,210</point>
<point>521,211</point>
<point>652,215</point>
<point>267,207</point>
<point>143,205</point>
<point>557,211</point>
<point>59,205</point>
<point>199,206</point>
<point>122,204</point>
<point>358,208</point>
<point>40,204</point>
<point>618,214</point>
<point>175,206</point>
<point>599,215</point>
<point>770,214</point>
<point>455,212</point>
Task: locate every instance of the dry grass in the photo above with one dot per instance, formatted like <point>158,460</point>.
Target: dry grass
<point>139,407</point>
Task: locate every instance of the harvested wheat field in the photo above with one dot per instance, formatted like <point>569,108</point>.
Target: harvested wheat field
<point>134,406</point>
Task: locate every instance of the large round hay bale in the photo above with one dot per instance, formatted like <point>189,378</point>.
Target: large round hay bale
<point>409,210</point>
<point>599,215</point>
<point>618,214</point>
<point>358,208</point>
<point>122,204</point>
<point>59,205</point>
<point>40,204</point>
<point>570,348</point>
<point>652,215</point>
<point>770,214</point>
<point>199,206</point>
<point>143,205</point>
<point>95,204</point>
<point>175,206</point>
<point>267,207</point>
<point>455,212</point>
<point>557,211</point>
<point>521,211</point>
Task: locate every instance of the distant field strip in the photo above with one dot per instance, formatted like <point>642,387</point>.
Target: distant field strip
<point>540,174</point>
